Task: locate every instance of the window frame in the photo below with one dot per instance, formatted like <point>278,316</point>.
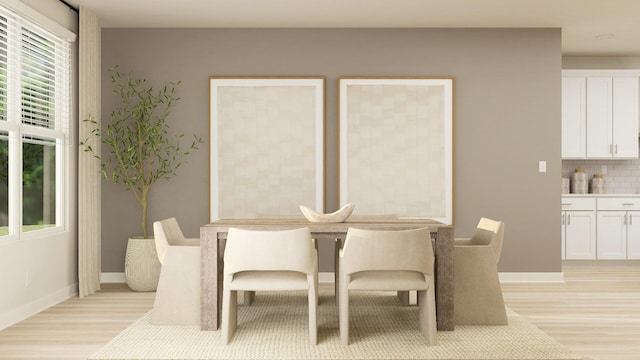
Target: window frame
<point>19,17</point>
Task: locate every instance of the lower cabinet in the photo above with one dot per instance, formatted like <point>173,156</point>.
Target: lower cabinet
<point>578,228</point>
<point>633,235</point>
<point>605,228</point>
<point>612,235</point>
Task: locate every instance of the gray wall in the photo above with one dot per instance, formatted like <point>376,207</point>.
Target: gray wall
<point>506,111</point>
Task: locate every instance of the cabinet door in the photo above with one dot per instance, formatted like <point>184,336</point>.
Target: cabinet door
<point>574,121</point>
<point>580,235</point>
<point>612,235</point>
<point>599,117</point>
<point>563,235</point>
<point>625,117</point>
<point>633,235</point>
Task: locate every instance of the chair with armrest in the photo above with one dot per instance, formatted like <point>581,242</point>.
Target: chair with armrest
<point>477,294</point>
<point>177,299</point>
<point>256,260</point>
<point>388,261</point>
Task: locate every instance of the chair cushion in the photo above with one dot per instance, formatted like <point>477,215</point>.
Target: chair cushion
<point>269,280</point>
<point>388,280</point>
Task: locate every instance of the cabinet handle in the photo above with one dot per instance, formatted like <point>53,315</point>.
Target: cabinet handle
<point>568,219</point>
<point>630,219</point>
<point>625,219</point>
<point>616,152</point>
<point>563,215</point>
<point>611,149</point>
<point>627,204</point>
<point>567,204</point>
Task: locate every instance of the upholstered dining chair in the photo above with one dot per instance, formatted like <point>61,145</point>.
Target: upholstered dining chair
<point>477,294</point>
<point>388,261</point>
<point>256,260</point>
<point>177,299</point>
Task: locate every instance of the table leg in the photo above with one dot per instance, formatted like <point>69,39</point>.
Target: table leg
<point>210,279</point>
<point>444,279</point>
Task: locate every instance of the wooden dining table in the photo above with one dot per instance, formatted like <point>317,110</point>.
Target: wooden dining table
<point>212,237</point>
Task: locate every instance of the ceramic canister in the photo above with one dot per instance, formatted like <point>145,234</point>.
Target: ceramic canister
<point>579,182</point>
<point>565,185</point>
<point>597,184</point>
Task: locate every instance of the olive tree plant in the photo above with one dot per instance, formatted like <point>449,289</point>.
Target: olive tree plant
<point>142,149</point>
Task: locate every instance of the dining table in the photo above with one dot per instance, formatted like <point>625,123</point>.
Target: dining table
<point>213,236</point>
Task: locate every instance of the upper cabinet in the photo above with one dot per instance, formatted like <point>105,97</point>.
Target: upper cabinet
<point>600,114</point>
<point>574,117</point>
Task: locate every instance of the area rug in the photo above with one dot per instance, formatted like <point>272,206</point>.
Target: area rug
<point>275,327</point>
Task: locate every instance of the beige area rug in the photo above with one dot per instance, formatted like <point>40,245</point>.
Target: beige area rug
<point>275,327</point>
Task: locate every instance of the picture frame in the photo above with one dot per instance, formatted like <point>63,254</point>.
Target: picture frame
<point>396,146</point>
<point>266,146</point>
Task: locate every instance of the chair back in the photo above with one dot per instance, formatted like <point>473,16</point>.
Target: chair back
<point>372,250</point>
<point>166,233</point>
<point>261,250</point>
<point>489,232</point>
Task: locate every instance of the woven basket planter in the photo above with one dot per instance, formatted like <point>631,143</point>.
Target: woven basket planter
<point>141,266</point>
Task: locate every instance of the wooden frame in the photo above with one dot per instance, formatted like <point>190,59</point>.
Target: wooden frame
<point>266,146</point>
<point>396,146</point>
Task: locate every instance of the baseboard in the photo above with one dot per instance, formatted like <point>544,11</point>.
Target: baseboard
<point>115,277</point>
<point>323,277</point>
<point>328,277</point>
<point>506,277</point>
<point>525,277</point>
<point>27,310</point>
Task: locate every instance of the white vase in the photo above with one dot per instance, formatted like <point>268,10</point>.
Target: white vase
<point>141,265</point>
<point>579,182</point>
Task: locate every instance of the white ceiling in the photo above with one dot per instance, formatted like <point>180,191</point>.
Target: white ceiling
<point>582,21</point>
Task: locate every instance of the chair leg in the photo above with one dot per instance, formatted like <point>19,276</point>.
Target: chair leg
<point>427,315</point>
<point>343,312</point>
<point>336,269</point>
<point>229,314</point>
<point>313,314</point>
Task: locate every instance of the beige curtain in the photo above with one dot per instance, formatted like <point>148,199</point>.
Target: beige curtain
<point>88,175</point>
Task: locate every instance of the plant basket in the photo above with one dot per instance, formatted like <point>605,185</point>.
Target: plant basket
<point>141,266</point>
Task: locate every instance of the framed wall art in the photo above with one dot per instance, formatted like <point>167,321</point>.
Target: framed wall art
<point>266,146</point>
<point>396,146</point>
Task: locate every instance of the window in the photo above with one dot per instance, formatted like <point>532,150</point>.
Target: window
<point>34,126</point>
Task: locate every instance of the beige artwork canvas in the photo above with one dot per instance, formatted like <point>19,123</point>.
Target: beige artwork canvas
<point>396,146</point>
<point>267,147</point>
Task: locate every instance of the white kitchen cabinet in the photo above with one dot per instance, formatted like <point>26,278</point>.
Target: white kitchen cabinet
<point>600,114</point>
<point>618,228</point>
<point>633,235</point>
<point>578,228</point>
<point>612,117</point>
<point>574,118</point>
<point>612,235</point>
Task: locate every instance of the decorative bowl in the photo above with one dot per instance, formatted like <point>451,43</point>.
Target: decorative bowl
<point>335,217</point>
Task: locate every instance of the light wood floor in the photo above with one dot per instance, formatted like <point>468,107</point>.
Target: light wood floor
<point>595,312</point>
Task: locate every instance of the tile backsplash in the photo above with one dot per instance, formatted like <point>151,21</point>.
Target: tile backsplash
<point>621,177</point>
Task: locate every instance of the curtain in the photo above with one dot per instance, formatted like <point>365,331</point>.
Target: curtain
<point>89,228</point>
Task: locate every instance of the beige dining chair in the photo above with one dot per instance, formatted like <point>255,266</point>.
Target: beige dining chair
<point>477,293</point>
<point>388,261</point>
<point>177,300</point>
<point>256,260</point>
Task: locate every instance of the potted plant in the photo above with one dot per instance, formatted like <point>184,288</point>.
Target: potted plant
<point>142,152</point>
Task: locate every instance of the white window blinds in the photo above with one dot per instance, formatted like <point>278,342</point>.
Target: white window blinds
<point>34,74</point>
